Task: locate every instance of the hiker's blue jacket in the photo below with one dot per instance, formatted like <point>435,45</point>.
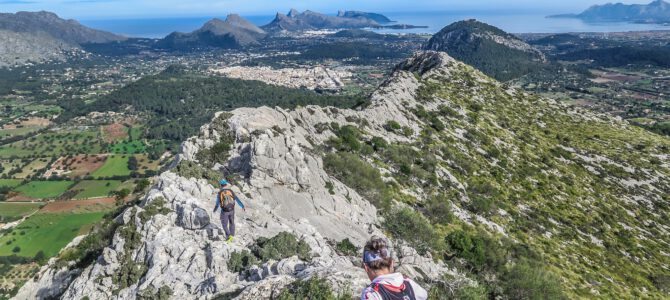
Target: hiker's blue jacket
<point>218,199</point>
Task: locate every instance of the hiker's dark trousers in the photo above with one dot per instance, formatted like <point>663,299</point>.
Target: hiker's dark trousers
<point>228,222</point>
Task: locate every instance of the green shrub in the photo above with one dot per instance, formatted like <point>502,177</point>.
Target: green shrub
<point>359,175</point>
<point>345,247</point>
<point>393,126</point>
<point>526,280</point>
<point>157,206</point>
<point>470,248</point>
<point>412,227</point>
<point>481,204</point>
<point>40,257</point>
<point>661,282</point>
<point>378,143</point>
<point>281,246</point>
<point>480,251</point>
<point>130,271</point>
<point>241,261</point>
<point>189,169</point>
<point>347,139</point>
<point>441,291</point>
<point>229,295</point>
<point>330,187</point>
<point>312,289</point>
<point>150,293</point>
<point>141,185</point>
<point>438,209</point>
<point>407,131</point>
<point>218,153</point>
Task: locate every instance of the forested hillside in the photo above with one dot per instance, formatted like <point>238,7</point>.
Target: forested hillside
<point>178,102</point>
<point>487,48</point>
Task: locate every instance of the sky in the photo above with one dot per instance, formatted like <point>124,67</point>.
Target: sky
<point>106,9</point>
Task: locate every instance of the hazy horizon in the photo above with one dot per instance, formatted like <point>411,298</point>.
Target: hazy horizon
<point>127,9</point>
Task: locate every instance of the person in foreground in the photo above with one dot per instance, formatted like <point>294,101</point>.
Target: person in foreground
<point>226,199</point>
<point>386,285</point>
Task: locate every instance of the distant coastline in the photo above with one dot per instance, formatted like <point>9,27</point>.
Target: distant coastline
<point>656,12</point>
<point>428,23</point>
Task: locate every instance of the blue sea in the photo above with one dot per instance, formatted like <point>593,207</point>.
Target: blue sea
<point>514,22</point>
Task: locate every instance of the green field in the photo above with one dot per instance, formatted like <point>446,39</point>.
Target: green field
<point>48,232</point>
<point>128,184</point>
<point>55,144</point>
<point>95,188</point>
<point>6,133</point>
<point>134,147</point>
<point>116,165</point>
<point>33,167</point>
<point>9,165</point>
<point>10,182</point>
<point>44,189</point>
<point>11,211</point>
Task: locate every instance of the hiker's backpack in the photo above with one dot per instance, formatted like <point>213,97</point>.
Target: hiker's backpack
<point>226,200</point>
<point>389,292</point>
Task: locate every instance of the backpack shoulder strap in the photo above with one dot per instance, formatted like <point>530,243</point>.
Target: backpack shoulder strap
<point>389,292</point>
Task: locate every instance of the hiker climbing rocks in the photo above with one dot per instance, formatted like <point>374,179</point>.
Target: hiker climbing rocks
<point>226,199</point>
<point>386,285</point>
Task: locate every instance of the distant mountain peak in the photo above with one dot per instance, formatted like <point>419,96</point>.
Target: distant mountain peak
<point>233,32</point>
<point>657,11</point>
<point>234,18</point>
<point>487,48</point>
<point>293,13</point>
<point>379,18</point>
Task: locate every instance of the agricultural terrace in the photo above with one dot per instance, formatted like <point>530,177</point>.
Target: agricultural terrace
<point>46,232</point>
<point>116,165</point>
<point>44,189</point>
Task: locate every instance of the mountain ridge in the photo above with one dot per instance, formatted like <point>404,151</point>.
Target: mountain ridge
<point>310,20</point>
<point>69,31</point>
<point>657,11</point>
<point>443,150</point>
<point>41,36</point>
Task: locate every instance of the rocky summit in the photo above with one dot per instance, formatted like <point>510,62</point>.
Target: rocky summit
<point>476,184</point>
<point>41,36</point>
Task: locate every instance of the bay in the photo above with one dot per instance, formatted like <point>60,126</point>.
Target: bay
<point>514,22</point>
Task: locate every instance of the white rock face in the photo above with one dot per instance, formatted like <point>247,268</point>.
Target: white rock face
<point>317,78</point>
<point>283,188</point>
<point>20,48</point>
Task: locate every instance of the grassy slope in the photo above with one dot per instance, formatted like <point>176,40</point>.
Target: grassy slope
<point>48,232</point>
<point>55,144</point>
<point>95,188</point>
<point>10,182</point>
<point>587,194</point>
<point>126,147</point>
<point>14,210</point>
<point>554,201</point>
<point>116,165</point>
<point>44,189</point>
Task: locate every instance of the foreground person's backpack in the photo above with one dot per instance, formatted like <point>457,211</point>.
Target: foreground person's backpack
<point>226,200</point>
<point>389,292</point>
